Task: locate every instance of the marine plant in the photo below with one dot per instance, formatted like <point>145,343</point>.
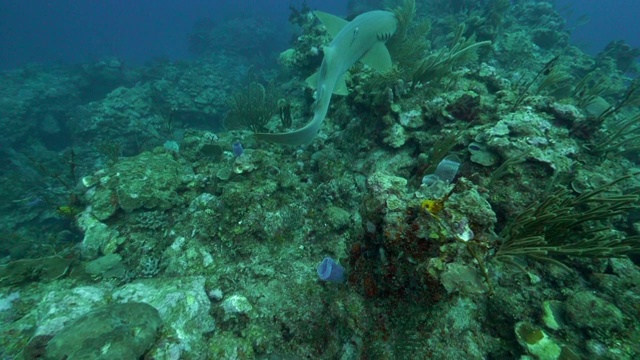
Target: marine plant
<point>440,149</point>
<point>563,225</point>
<point>622,135</point>
<point>284,109</point>
<point>68,180</point>
<point>251,107</point>
<point>548,76</point>
<point>410,49</point>
<point>619,134</point>
<point>589,88</point>
<point>504,168</point>
<point>440,64</point>
<point>631,98</point>
<point>556,83</point>
<point>110,149</point>
<point>409,45</point>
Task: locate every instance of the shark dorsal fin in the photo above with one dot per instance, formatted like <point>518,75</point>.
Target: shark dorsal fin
<point>378,58</point>
<point>333,23</point>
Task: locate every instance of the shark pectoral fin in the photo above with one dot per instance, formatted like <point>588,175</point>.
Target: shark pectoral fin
<point>341,87</point>
<point>312,81</point>
<point>333,23</point>
<point>378,58</point>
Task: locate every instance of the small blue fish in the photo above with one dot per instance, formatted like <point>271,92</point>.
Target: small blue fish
<point>30,201</point>
<point>238,150</point>
<point>35,202</point>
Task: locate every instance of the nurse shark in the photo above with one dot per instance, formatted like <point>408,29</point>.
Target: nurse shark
<point>361,39</point>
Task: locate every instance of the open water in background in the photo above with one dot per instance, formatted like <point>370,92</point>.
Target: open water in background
<point>71,31</point>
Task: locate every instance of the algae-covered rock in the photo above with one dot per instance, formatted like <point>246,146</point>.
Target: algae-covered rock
<point>103,201</point>
<point>529,133</point>
<point>60,306</point>
<point>119,331</point>
<point>337,217</point>
<point>473,205</point>
<point>462,278</point>
<point>236,304</point>
<point>395,136</point>
<point>385,189</point>
<point>287,58</point>
<point>148,180</point>
<point>181,303</point>
<point>226,345</point>
<point>24,271</point>
<point>184,307</point>
<point>108,266</point>
<point>588,311</point>
<point>224,173</point>
<point>98,237</point>
<point>411,119</point>
<point>381,183</point>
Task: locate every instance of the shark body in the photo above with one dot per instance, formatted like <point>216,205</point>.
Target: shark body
<point>362,39</point>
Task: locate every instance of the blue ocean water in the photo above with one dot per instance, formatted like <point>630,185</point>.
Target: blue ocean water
<point>247,179</point>
<point>70,31</point>
<point>595,23</point>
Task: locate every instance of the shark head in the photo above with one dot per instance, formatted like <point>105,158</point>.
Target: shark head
<point>362,39</point>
